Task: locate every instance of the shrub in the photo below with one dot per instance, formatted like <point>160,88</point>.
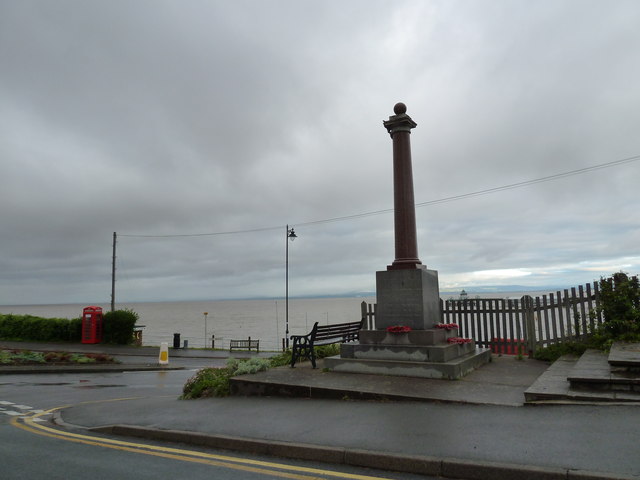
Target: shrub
<point>253,365</point>
<point>13,357</point>
<point>118,326</point>
<point>555,351</point>
<point>281,359</point>
<point>26,356</point>
<point>57,357</point>
<point>620,308</point>
<point>620,305</point>
<point>5,357</point>
<point>328,350</point>
<point>208,382</point>
<point>216,382</point>
<point>28,327</point>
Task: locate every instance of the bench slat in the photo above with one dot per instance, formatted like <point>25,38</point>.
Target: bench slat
<point>244,344</point>
<point>323,335</point>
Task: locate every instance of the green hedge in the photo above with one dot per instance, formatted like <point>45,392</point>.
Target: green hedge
<point>28,327</point>
<point>118,328</point>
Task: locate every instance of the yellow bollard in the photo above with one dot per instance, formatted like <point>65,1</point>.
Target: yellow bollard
<point>164,354</point>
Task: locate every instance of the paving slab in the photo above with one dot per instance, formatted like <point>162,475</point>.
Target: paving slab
<point>552,384</point>
<point>500,382</point>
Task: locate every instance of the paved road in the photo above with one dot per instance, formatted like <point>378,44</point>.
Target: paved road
<point>569,437</point>
<point>32,447</point>
<point>561,440</point>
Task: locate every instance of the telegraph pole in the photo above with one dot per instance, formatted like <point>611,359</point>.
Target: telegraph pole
<point>113,274</point>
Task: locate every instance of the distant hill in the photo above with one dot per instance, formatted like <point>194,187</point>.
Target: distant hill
<point>472,291</point>
<point>490,289</point>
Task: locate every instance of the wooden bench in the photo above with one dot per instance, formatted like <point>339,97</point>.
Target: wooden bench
<point>247,344</point>
<point>323,335</point>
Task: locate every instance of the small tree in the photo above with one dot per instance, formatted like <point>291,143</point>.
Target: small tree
<point>118,326</point>
<point>620,306</point>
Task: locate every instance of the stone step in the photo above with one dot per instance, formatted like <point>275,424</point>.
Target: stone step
<point>625,355</point>
<point>593,372</point>
<point>440,353</point>
<point>451,370</point>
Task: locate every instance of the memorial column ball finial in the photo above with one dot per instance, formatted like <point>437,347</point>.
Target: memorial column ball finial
<point>400,108</point>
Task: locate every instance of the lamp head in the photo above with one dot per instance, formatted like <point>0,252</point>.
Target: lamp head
<point>292,235</point>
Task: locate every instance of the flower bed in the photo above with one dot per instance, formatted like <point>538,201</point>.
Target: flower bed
<point>459,340</point>
<point>27,357</point>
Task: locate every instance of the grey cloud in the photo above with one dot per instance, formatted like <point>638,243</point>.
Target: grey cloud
<point>159,118</point>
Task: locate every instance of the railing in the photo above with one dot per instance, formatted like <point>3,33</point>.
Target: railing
<point>522,325</point>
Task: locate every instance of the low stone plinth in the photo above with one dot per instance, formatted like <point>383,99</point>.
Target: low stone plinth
<point>417,353</point>
<point>431,336</point>
<point>450,370</point>
<point>442,352</point>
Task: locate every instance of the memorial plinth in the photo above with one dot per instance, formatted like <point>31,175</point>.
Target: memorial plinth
<point>407,295</point>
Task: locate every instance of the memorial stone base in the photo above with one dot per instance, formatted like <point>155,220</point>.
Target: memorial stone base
<point>408,298</point>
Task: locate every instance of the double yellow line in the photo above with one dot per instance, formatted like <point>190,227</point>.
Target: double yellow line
<point>30,424</point>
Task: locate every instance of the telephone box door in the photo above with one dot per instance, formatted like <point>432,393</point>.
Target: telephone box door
<point>91,325</point>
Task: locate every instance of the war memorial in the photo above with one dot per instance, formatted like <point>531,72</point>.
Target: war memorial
<point>408,339</point>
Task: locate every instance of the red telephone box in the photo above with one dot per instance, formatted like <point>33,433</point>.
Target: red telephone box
<point>91,325</point>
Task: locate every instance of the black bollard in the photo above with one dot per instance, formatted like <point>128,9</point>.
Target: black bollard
<point>176,340</point>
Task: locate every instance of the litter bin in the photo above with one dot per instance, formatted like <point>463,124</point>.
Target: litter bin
<point>176,340</point>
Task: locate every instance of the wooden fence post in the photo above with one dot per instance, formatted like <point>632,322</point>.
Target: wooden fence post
<point>529,324</point>
<point>368,312</point>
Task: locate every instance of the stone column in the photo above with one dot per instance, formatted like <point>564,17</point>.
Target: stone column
<point>407,293</point>
<point>406,242</point>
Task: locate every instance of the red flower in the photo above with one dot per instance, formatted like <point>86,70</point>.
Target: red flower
<point>459,340</point>
<point>447,326</point>
<point>398,329</point>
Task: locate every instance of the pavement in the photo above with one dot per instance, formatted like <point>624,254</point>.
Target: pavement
<point>479,427</point>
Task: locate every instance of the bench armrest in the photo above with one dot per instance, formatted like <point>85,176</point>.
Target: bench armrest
<point>301,339</point>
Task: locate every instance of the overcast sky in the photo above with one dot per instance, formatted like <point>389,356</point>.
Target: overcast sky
<point>159,118</point>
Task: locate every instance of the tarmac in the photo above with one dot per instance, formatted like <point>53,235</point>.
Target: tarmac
<point>479,427</point>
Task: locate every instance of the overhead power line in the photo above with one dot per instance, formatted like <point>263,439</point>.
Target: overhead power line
<point>264,229</point>
<point>463,196</point>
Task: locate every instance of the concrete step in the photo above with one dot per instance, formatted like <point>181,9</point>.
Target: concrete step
<point>625,355</point>
<point>593,372</point>
<point>553,386</point>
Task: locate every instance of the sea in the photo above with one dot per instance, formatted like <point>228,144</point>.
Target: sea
<point>263,319</point>
<point>198,321</point>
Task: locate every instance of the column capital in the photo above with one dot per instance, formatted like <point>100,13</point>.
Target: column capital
<point>400,122</point>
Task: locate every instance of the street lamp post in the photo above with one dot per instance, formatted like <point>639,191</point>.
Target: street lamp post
<point>291,235</point>
<point>205,328</point>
